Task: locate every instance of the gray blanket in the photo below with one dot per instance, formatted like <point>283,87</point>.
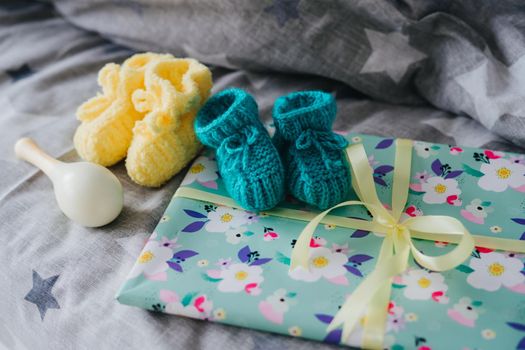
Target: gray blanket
<point>446,73</point>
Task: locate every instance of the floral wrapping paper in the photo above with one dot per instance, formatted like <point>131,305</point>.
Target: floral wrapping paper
<point>226,265</point>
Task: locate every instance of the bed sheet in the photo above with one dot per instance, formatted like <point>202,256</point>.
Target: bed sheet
<point>57,279</point>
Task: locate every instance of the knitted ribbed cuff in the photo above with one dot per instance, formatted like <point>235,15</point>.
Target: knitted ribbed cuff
<point>303,110</point>
<point>225,114</point>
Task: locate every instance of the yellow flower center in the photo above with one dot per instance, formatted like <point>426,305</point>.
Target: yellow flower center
<point>440,188</point>
<point>146,256</point>
<point>197,168</point>
<point>226,217</point>
<point>320,261</point>
<point>241,275</point>
<point>424,282</point>
<point>503,173</point>
<point>496,269</point>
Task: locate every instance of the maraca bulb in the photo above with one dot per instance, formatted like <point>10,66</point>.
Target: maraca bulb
<point>87,193</point>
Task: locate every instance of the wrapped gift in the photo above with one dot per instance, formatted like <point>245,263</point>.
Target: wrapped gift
<point>363,274</point>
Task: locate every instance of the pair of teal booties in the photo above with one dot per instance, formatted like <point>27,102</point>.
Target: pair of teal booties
<point>253,166</point>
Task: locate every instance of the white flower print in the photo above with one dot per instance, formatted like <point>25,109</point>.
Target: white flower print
<point>219,314</point>
<point>224,263</point>
<point>236,235</point>
<point>424,149</point>
<point>275,306</point>
<point>203,170</point>
<point>411,317</point>
<point>336,248</point>
<point>279,300</point>
<point>395,319</point>
<point>295,331</point>
<point>464,312</point>
<point>488,334</point>
<point>322,263</point>
<point>477,208</point>
<point>477,211</point>
<point>152,260</point>
<point>514,255</point>
<point>422,176</point>
<point>518,159</point>
<point>250,217</point>
<point>170,243</point>
<point>492,270</point>
<point>202,263</point>
<point>238,276</point>
<point>421,284</point>
<point>199,307</point>
<point>500,174</point>
<point>224,218</point>
<point>496,229</point>
<point>438,189</point>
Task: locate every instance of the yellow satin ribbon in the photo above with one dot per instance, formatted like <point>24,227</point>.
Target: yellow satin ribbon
<point>373,294</point>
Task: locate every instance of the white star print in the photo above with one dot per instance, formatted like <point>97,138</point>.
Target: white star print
<point>495,89</point>
<point>391,53</point>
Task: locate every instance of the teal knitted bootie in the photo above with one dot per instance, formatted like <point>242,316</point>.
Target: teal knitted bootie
<point>317,171</point>
<point>246,157</point>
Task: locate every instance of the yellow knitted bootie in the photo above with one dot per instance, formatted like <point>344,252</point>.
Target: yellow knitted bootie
<point>107,119</point>
<point>164,141</point>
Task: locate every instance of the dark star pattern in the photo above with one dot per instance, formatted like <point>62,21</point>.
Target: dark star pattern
<point>284,10</point>
<point>41,295</point>
<point>19,73</point>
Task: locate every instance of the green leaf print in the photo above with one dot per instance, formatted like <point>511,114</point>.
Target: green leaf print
<point>472,171</point>
<point>280,257</point>
<point>187,298</point>
<point>210,279</point>
<point>464,268</point>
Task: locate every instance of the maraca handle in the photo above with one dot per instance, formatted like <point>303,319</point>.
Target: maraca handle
<point>28,150</point>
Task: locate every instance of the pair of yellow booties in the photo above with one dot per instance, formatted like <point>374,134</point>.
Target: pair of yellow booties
<point>144,114</point>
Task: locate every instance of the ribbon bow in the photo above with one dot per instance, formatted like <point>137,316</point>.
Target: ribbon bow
<point>373,294</point>
<point>237,144</point>
<point>322,141</point>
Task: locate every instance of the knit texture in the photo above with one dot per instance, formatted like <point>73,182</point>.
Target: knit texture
<point>164,141</point>
<point>316,167</point>
<point>247,160</point>
<point>105,133</point>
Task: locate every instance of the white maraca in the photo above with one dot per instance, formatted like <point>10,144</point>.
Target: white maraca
<point>87,193</point>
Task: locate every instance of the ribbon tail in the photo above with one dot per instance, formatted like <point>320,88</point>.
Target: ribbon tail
<point>354,306</point>
<point>373,335</point>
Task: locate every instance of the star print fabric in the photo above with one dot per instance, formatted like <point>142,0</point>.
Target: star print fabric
<point>434,52</point>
